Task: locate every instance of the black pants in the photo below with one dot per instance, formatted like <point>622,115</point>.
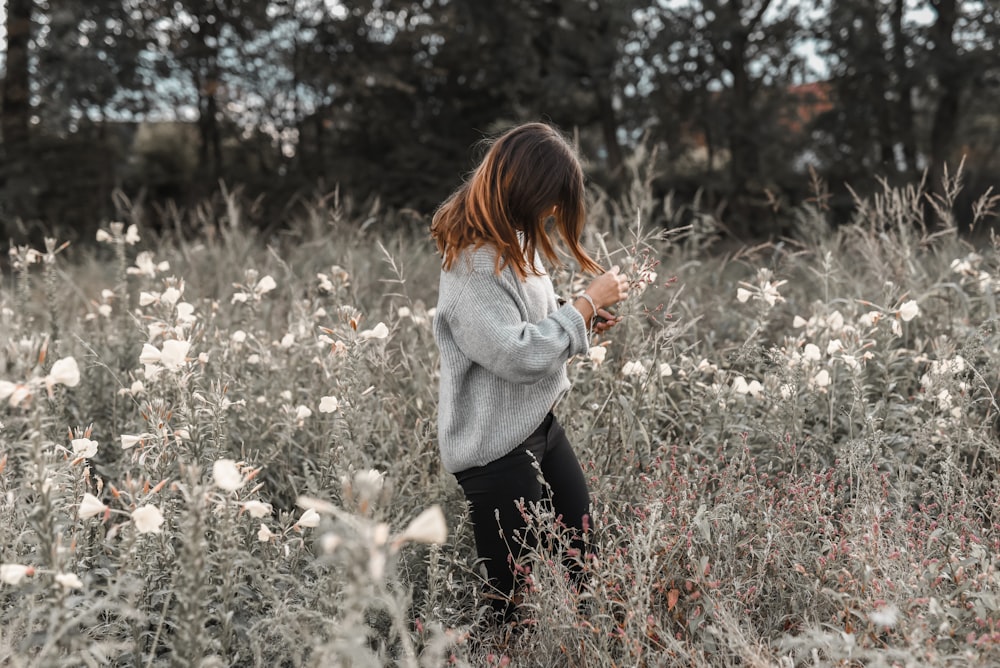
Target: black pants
<point>495,492</point>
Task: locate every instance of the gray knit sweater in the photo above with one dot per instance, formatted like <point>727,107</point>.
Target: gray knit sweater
<point>504,345</point>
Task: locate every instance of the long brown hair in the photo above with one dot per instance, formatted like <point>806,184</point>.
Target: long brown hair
<point>526,172</point>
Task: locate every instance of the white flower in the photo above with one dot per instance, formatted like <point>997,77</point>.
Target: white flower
<point>835,321</point>
<point>834,346</point>
<point>379,534</point>
<point>909,310</point>
<point>328,404</point>
<point>147,298</point>
<point>368,484</point>
<point>132,235</point>
<point>302,412</point>
<point>597,354</point>
<point>265,285</point>
<point>330,542</point>
<point>12,574</point>
<point>799,322</point>
<point>147,519</point>
<point>665,370</point>
<point>403,312</point>
<point>984,282</point>
<point>145,265</point>
<point>264,534</point>
<point>84,447</point>
<point>771,294</point>
<point>634,368</point>
<point>885,616</point>
<point>743,295</point>
<point>705,366</point>
<point>944,399</point>
<point>755,389</point>
<point>174,354</point>
<point>103,237</point>
<point>870,319</point>
<point>239,336</point>
<point>427,527</point>
<point>91,506</point>
<point>6,389</point>
<point>170,296</point>
<point>69,581</point>
<point>309,519</point>
<point>787,391</point>
<point>185,313</point>
<point>740,385</point>
<point>376,564</point>
<point>822,379</point>
<point>227,475</point>
<point>18,393</point>
<point>257,509</point>
<point>319,505</point>
<point>379,331</point>
<point>897,329</point>
<point>150,354</point>
<point>811,352</point>
<point>956,364</point>
<point>65,372</point>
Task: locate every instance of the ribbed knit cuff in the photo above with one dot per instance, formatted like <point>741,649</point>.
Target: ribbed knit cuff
<point>573,322</point>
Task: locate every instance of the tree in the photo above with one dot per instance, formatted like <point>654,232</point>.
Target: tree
<point>17,181</point>
<point>724,68</point>
<point>207,41</point>
<point>901,87</point>
<point>869,131</point>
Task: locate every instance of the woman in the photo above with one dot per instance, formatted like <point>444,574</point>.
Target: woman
<point>504,341</point>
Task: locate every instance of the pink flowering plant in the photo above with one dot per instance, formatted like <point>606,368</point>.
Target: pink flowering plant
<point>221,447</point>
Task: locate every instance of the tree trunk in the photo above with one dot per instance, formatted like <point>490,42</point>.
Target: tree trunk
<point>16,175</point>
<point>609,128</point>
<point>951,79</point>
<point>878,85</point>
<point>904,89</point>
<point>744,156</point>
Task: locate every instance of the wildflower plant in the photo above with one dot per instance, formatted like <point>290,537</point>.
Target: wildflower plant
<point>221,448</point>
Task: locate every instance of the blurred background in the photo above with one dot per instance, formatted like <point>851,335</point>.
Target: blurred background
<point>746,106</point>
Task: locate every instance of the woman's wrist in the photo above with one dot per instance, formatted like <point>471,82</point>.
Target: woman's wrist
<point>593,309</point>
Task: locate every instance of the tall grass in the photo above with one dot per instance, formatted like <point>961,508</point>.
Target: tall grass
<point>791,448</point>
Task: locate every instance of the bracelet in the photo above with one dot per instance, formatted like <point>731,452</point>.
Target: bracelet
<point>593,309</point>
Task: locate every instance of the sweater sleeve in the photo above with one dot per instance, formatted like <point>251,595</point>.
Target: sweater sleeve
<point>488,328</point>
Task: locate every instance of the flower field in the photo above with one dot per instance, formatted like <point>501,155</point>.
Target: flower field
<point>219,449</point>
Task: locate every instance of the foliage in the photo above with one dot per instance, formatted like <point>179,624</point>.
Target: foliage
<point>384,98</point>
<point>220,448</point>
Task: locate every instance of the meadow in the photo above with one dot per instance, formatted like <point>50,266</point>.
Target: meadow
<point>218,449</point>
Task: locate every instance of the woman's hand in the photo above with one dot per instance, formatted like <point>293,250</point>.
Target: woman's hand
<point>605,321</point>
<point>608,289</point>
